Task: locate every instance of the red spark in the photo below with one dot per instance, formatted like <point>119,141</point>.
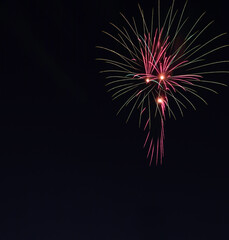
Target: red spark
<point>160,100</point>
<point>161,77</point>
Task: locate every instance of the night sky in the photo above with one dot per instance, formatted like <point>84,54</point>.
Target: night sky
<point>69,167</point>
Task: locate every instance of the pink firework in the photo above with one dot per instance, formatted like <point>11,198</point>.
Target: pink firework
<point>157,71</point>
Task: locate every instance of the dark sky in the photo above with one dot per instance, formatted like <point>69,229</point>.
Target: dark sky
<point>69,168</point>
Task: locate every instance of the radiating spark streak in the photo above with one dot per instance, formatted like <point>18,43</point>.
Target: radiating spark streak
<point>124,88</point>
<point>170,19</point>
<point>149,148</point>
<point>151,26</point>
<point>187,99</point>
<point>146,139</point>
<point>179,22</point>
<point>121,92</point>
<point>209,24</point>
<point>140,115</point>
<point>159,15</point>
<point>132,109</point>
<point>194,25</point>
<point>208,64</point>
<point>212,72</point>
<point>157,151</point>
<point>205,54</point>
<point>127,102</point>
<point>121,80</point>
<point>135,49</point>
<point>146,95</point>
<point>209,89</point>
<point>177,84</point>
<point>162,140</point>
<point>143,110</point>
<point>121,86</point>
<point>143,20</point>
<point>126,59</point>
<point>122,44</point>
<point>205,44</point>
<point>152,152</point>
<point>192,92</point>
<point>147,123</point>
<point>173,88</point>
<point>149,111</point>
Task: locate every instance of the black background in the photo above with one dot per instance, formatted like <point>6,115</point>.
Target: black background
<point>71,169</point>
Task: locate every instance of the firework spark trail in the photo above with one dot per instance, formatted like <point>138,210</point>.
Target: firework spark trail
<point>155,71</point>
<point>157,66</point>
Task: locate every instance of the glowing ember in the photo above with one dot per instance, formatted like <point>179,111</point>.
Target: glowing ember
<point>160,100</point>
<point>161,76</point>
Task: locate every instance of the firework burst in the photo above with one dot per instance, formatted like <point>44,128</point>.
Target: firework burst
<point>154,68</point>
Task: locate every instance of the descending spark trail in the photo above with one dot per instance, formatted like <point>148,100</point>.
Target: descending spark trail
<point>154,74</point>
<point>158,70</point>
